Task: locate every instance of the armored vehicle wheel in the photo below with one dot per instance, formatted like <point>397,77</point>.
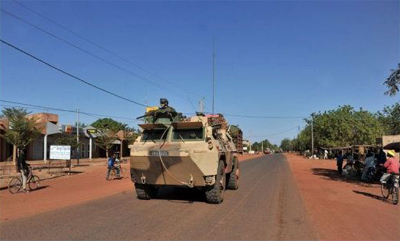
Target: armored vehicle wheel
<point>145,192</point>
<point>215,193</point>
<point>233,177</point>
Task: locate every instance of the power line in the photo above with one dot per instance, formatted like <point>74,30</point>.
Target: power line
<point>283,132</point>
<point>71,75</point>
<point>265,117</point>
<point>90,53</point>
<point>64,110</point>
<point>95,44</point>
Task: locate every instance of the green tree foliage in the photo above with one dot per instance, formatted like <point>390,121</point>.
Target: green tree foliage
<point>256,146</point>
<point>22,129</point>
<point>67,140</point>
<point>108,129</point>
<point>286,144</point>
<point>393,82</point>
<point>390,119</point>
<point>105,139</point>
<point>110,124</point>
<point>341,127</point>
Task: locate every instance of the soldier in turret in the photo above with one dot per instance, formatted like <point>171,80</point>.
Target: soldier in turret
<point>164,105</point>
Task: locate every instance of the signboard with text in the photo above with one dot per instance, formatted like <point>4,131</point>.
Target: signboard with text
<point>60,152</point>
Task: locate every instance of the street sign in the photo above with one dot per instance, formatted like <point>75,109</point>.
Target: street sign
<point>60,152</point>
<point>92,131</point>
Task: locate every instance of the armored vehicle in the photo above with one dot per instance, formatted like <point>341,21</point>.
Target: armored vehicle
<point>173,150</point>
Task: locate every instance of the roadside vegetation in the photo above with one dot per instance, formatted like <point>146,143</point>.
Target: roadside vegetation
<point>22,129</point>
<point>346,126</point>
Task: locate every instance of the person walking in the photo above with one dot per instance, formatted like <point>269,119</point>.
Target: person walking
<point>339,162</point>
<point>392,166</point>
<point>111,163</point>
<point>381,157</point>
<point>325,154</point>
<point>23,168</point>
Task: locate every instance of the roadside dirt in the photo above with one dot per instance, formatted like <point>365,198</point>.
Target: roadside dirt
<point>61,192</point>
<point>343,209</point>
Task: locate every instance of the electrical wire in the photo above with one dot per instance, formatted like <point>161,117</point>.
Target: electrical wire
<point>95,44</point>
<point>71,75</point>
<point>64,110</point>
<point>137,76</point>
<point>265,117</point>
<point>283,132</point>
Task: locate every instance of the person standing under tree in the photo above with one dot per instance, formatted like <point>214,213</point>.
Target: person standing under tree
<point>339,162</point>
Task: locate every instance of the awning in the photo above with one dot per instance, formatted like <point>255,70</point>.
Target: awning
<point>152,126</point>
<point>393,146</point>
<point>187,125</point>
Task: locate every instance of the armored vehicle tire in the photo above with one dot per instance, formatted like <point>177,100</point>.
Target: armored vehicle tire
<point>145,192</point>
<point>233,177</point>
<point>215,193</point>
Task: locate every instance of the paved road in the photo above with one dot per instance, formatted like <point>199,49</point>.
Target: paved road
<point>266,206</point>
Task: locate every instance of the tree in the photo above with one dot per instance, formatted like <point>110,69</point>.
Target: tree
<point>105,139</point>
<point>286,144</point>
<point>343,126</point>
<point>393,82</point>
<point>67,140</point>
<point>22,129</point>
<point>109,124</point>
<point>257,146</point>
<point>390,119</point>
<point>80,124</point>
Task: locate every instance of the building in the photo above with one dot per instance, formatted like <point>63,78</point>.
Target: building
<point>51,130</point>
<point>6,149</point>
<point>387,142</point>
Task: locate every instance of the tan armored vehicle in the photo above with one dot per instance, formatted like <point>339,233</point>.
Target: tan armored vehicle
<point>196,152</point>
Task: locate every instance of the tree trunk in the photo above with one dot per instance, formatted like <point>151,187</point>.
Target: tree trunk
<point>15,158</point>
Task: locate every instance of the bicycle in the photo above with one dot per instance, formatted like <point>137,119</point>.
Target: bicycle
<point>113,172</point>
<point>32,181</point>
<point>389,188</point>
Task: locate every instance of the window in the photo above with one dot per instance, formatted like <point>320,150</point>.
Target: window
<point>188,134</point>
<point>154,135</point>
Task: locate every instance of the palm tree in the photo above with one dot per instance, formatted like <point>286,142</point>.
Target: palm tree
<point>393,82</point>
<point>22,129</point>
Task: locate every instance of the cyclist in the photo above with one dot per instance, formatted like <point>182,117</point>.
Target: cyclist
<point>111,165</point>
<point>392,167</point>
<point>23,168</point>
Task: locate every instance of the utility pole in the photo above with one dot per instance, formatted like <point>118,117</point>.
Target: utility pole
<point>213,90</point>
<point>312,136</point>
<point>77,136</point>
<point>201,102</point>
<point>250,146</point>
<point>262,146</point>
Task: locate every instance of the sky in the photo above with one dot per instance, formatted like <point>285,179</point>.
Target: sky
<point>272,58</point>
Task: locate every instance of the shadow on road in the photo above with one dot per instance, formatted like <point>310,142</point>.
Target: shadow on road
<point>181,195</point>
<point>332,174</point>
<point>380,198</point>
<point>72,172</point>
<point>40,188</point>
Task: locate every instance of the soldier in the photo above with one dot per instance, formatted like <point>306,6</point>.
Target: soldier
<point>164,105</point>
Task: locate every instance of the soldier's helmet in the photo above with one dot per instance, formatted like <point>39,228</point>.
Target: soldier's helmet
<point>163,102</point>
